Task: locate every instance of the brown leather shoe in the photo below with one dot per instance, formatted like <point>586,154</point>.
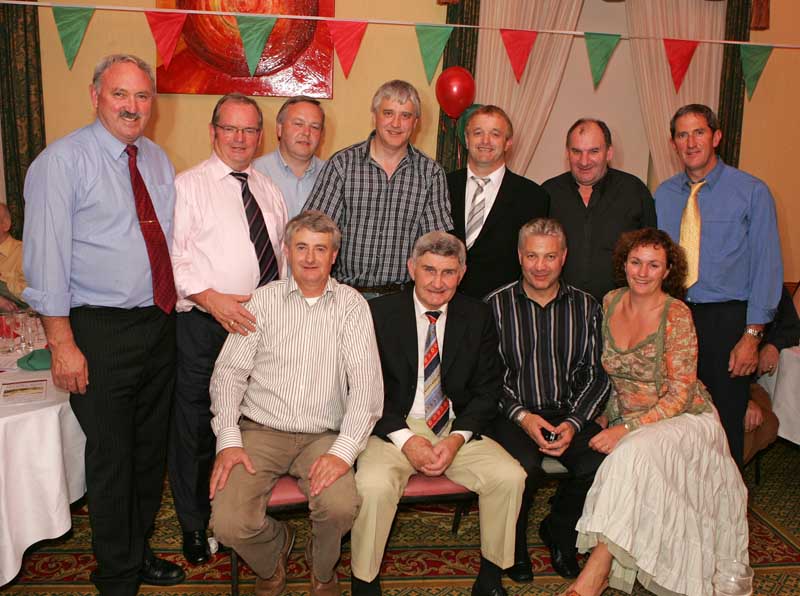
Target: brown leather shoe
<point>272,586</point>
<point>318,588</point>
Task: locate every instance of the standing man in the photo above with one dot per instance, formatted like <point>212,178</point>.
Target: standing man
<point>293,166</point>
<point>437,402</point>
<point>384,193</point>
<point>299,395</point>
<point>229,222</point>
<point>595,204</point>
<point>725,220</point>
<point>12,278</point>
<point>490,203</point>
<point>98,224</point>
<point>554,387</point>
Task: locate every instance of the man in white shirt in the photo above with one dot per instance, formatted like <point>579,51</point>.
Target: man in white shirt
<point>299,396</point>
<point>293,166</point>
<point>229,222</point>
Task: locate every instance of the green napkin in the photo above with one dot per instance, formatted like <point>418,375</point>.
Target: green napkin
<point>36,360</point>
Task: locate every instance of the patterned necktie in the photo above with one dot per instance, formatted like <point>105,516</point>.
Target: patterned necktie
<point>259,236</point>
<point>164,295</point>
<point>475,219</point>
<point>691,226</point>
<point>437,406</point>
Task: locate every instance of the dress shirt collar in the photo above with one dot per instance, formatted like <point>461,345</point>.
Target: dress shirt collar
<point>292,287</point>
<point>495,178</point>
<point>562,294</point>
<point>112,145</point>
<point>310,169</point>
<point>711,179</point>
<point>406,158</point>
<point>420,310</point>
<point>220,169</point>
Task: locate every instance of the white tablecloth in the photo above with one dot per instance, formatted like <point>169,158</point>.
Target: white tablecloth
<point>41,471</point>
<point>784,388</point>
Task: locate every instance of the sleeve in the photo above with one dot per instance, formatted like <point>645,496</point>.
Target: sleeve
<point>187,222</point>
<point>328,192</point>
<point>16,281</point>
<point>589,382</point>
<point>436,215</point>
<point>766,262</point>
<point>784,331</point>
<point>649,219</point>
<point>510,404</point>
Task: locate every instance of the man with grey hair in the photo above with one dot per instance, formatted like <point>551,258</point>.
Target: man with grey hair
<point>384,193</point>
<point>229,221</point>
<point>293,166</point>
<point>298,395</point>
<point>554,386</point>
<point>98,226</point>
<point>441,378</point>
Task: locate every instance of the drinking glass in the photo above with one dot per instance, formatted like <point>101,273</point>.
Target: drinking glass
<point>732,578</point>
<point>8,324</point>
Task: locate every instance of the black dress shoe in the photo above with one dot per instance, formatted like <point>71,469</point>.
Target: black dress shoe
<point>195,547</point>
<point>160,572</point>
<point>358,587</point>
<point>565,564</point>
<point>521,571</point>
<point>480,590</point>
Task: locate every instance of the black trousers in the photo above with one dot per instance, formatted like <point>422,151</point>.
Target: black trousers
<point>191,441</point>
<point>719,327</point>
<point>124,415</point>
<point>567,505</point>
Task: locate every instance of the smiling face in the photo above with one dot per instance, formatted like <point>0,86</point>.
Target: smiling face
<point>394,123</point>
<point>300,131</point>
<point>696,145</point>
<point>236,136</point>
<point>487,137</point>
<point>435,278</point>
<point>311,257</point>
<point>588,154</point>
<point>646,269</point>
<point>541,257</point>
<point>123,101</point>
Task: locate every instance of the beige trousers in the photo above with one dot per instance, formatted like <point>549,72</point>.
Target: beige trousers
<point>482,466</point>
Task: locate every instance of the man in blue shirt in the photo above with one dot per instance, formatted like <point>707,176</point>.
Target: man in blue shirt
<point>739,270</point>
<point>98,221</point>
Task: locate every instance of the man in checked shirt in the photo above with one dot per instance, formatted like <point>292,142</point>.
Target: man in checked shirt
<point>383,193</point>
<point>554,386</point>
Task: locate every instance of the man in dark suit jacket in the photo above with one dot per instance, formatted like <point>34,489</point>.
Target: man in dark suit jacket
<point>438,399</point>
<point>489,203</point>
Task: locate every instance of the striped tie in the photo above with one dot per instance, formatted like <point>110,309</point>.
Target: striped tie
<point>691,226</point>
<point>437,406</point>
<point>259,236</point>
<point>475,219</point>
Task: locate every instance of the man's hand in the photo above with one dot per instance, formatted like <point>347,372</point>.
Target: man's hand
<point>753,417</point>
<point>224,463</point>
<point>445,450</point>
<point>768,359</point>
<point>227,309</point>
<point>744,357</point>
<point>607,439</point>
<point>326,470</point>
<point>69,368</point>
<point>533,425</point>
<point>419,452</point>
<point>8,305</point>
<point>565,432</point>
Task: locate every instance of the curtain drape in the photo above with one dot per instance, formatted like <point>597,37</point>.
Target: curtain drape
<point>731,85</point>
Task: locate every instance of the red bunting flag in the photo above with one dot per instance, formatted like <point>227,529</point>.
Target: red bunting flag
<point>518,47</point>
<point>166,28</point>
<point>346,37</point>
<point>679,55</point>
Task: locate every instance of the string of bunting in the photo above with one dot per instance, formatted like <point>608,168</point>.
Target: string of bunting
<point>346,36</point>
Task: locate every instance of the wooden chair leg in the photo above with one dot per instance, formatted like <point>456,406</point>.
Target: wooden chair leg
<point>234,573</point>
<point>462,509</point>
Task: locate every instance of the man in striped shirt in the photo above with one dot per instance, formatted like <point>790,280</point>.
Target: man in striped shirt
<point>299,396</point>
<point>553,387</point>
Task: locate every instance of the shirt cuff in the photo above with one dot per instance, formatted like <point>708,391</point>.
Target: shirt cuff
<point>345,449</point>
<point>48,304</point>
<point>467,434</point>
<point>229,437</point>
<point>759,316</point>
<point>399,437</point>
<point>576,421</point>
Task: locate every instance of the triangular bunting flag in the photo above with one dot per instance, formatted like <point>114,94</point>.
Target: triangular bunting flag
<point>754,59</point>
<point>346,37</point>
<point>599,47</point>
<point>679,55</point>
<point>166,29</point>
<point>71,24</point>
<point>432,39</point>
<point>518,47</point>
<point>254,32</point>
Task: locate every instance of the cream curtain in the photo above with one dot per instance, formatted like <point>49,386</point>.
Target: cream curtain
<point>528,103</point>
<point>682,19</point>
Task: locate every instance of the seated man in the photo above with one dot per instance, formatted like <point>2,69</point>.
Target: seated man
<point>553,388</point>
<point>441,375</point>
<point>299,395</point>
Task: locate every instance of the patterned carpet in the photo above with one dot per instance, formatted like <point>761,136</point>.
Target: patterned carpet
<point>424,558</point>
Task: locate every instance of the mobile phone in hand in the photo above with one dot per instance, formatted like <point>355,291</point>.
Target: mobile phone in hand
<point>549,436</point>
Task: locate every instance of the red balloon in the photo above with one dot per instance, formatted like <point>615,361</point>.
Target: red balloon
<point>455,90</point>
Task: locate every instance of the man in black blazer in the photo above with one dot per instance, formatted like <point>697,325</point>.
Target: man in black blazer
<point>489,203</point>
<point>442,382</point>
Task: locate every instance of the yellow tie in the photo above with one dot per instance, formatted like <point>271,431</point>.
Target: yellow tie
<point>691,225</point>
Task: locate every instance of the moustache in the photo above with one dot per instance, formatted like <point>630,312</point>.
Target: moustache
<point>131,115</point>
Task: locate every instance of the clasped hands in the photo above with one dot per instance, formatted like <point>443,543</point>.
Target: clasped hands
<point>429,459</point>
<point>533,424</point>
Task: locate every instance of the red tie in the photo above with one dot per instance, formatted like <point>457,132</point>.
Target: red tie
<point>164,294</point>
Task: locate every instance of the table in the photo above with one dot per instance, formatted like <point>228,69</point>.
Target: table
<point>784,389</point>
<point>41,471</point>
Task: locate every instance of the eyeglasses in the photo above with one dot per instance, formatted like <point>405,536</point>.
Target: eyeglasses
<point>230,131</point>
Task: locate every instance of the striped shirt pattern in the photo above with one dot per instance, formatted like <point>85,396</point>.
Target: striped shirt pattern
<point>380,217</point>
<point>551,353</point>
<point>307,368</point>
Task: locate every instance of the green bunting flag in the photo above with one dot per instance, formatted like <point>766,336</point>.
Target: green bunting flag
<point>71,24</point>
<point>254,32</point>
<point>754,59</point>
<point>432,39</point>
<point>600,46</point>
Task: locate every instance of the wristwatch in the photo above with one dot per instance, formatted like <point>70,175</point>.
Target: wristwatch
<point>757,333</point>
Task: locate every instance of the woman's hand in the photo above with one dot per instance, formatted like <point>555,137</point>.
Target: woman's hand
<point>606,440</point>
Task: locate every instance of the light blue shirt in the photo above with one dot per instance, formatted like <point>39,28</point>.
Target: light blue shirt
<point>740,252</point>
<point>82,240</point>
<point>295,190</point>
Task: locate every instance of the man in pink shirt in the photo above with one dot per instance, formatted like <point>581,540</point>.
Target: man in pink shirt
<point>228,232</point>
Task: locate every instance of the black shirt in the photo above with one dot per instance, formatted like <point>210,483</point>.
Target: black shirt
<point>620,202</point>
